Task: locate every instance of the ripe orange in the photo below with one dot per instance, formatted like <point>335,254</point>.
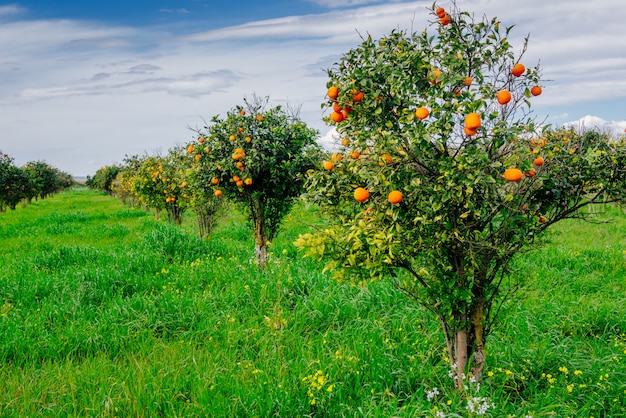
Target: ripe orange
<point>440,12</point>
<point>470,132</point>
<point>355,154</point>
<point>468,81</point>
<point>248,139</point>
<point>422,113</point>
<point>248,181</point>
<point>239,165</point>
<point>530,173</point>
<point>395,197</point>
<point>259,118</point>
<point>201,140</point>
<point>336,117</point>
<point>345,141</point>
<point>518,69</point>
<point>387,158</point>
<point>361,194</point>
<point>436,74</point>
<point>328,165</point>
<point>504,96</point>
<point>472,121</point>
<point>239,183</point>
<point>357,96</point>
<point>333,92</point>
<point>217,193</point>
<point>535,91</point>
<point>190,149</point>
<point>513,174</point>
<point>243,112</point>
<point>445,20</point>
<point>336,107</point>
<point>538,161</point>
<point>236,179</point>
<point>543,219</point>
<point>232,137</point>
<point>215,180</point>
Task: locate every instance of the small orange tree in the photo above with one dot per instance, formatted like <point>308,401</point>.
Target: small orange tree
<point>440,184</point>
<point>256,157</point>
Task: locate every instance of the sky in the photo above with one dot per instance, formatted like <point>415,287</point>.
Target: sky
<point>84,83</point>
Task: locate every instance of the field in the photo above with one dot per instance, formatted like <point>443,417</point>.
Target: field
<point>106,312</point>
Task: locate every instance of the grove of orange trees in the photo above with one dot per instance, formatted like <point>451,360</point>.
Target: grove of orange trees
<point>256,156</point>
<point>444,176</point>
<point>35,180</point>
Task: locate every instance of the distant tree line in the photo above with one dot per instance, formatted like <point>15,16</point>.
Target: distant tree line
<point>34,180</point>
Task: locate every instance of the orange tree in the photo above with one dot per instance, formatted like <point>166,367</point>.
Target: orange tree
<point>439,185</point>
<point>256,157</point>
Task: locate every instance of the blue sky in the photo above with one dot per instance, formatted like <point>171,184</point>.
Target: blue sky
<point>84,83</point>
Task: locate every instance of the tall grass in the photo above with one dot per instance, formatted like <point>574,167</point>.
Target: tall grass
<point>106,312</point>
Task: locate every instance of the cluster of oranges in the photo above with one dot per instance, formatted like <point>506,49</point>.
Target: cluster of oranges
<point>341,112</point>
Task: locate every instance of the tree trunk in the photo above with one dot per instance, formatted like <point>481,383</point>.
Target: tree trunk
<point>477,324</point>
<point>260,233</point>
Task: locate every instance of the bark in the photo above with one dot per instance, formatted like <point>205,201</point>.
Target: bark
<point>260,233</point>
<point>260,239</point>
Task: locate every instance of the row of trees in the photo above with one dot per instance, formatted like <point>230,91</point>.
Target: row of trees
<point>443,176</point>
<point>34,180</point>
<point>255,157</point>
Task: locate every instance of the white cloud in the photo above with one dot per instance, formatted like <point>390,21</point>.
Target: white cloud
<point>72,92</point>
<point>614,128</point>
<point>10,10</point>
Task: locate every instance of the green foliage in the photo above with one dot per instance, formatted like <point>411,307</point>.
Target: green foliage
<point>460,223</point>
<point>33,180</point>
<point>256,157</point>
<point>104,178</point>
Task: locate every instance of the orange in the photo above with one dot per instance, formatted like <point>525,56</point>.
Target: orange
<point>543,219</point>
<point>387,158</point>
<point>435,76</point>
<point>336,117</point>
<point>440,12</point>
<point>357,96</point>
<point>236,178</point>
<point>345,141</point>
<point>232,137</point>
<point>530,173</point>
<point>445,20</point>
<point>189,149</point>
<point>239,165</point>
<point>336,107</point>
<point>243,113</point>
<point>248,139</point>
<point>468,81</point>
<point>538,161</point>
<point>472,121</point>
<point>214,180</point>
<point>513,174</point>
<point>504,96</point>
<point>239,183</point>
<point>217,193</point>
<point>470,132</point>
<point>248,181</point>
<point>395,197</point>
<point>259,118</point>
<point>421,113</point>
<point>361,194</point>
<point>328,165</point>
<point>518,69</point>
<point>355,154</point>
<point>201,140</point>
<point>536,91</point>
<point>333,92</point>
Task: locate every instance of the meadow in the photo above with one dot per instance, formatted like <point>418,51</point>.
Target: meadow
<point>105,312</point>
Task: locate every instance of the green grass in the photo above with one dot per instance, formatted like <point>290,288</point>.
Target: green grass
<point>106,312</point>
